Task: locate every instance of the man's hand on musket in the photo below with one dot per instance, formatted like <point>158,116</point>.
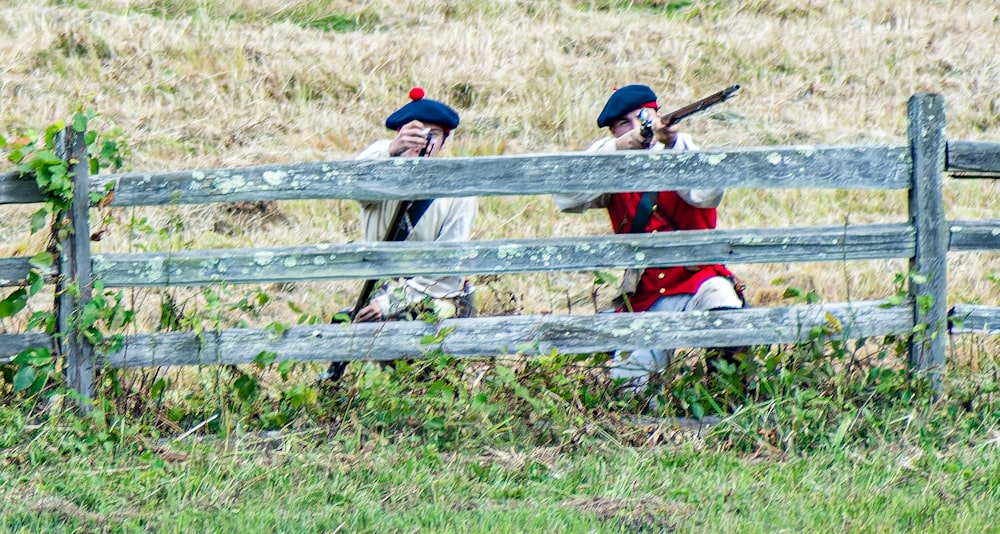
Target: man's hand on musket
<point>665,133</point>
<point>632,140</point>
<point>413,137</point>
<point>371,312</point>
<point>628,131</point>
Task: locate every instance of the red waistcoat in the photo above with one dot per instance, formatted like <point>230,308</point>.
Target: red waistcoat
<point>670,213</point>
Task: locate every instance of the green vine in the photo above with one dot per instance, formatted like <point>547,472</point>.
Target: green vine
<point>38,156</point>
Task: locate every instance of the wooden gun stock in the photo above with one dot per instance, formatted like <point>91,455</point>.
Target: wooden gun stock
<point>701,105</point>
<point>336,369</point>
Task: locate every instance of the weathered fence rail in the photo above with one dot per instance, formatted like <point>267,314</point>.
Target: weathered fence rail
<point>375,260</point>
<point>974,160</point>
<point>841,167</point>
<point>525,334</point>
<point>925,238</point>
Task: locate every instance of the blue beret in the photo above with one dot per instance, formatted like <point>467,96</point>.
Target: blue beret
<point>623,101</point>
<point>423,110</point>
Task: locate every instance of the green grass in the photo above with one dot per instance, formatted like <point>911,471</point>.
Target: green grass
<point>533,447</point>
<point>308,482</point>
<point>318,15</point>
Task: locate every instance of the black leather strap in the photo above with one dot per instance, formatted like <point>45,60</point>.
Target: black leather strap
<point>642,213</point>
<point>414,212</point>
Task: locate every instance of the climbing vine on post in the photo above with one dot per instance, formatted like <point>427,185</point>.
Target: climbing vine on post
<point>60,161</point>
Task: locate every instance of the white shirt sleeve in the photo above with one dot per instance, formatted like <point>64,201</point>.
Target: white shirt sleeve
<point>699,198</point>
<point>377,150</point>
<point>581,202</point>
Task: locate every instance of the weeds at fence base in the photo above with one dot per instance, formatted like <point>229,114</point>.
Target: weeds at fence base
<point>788,401</point>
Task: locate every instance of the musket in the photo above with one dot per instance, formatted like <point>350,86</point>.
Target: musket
<point>678,115</point>
<point>366,290</point>
<point>390,233</point>
<point>336,369</point>
<point>646,117</point>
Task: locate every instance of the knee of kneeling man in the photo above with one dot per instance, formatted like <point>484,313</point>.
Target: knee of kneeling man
<point>716,293</point>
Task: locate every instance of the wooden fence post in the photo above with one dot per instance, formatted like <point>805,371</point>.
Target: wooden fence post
<point>75,268</point>
<point>925,131</point>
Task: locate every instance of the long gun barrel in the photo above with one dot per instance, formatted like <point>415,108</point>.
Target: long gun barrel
<point>397,220</point>
<point>336,369</point>
<point>701,105</point>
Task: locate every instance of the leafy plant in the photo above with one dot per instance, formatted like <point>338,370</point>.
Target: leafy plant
<point>39,156</point>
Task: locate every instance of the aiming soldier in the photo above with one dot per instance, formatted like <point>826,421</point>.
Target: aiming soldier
<point>422,126</point>
<point>633,119</point>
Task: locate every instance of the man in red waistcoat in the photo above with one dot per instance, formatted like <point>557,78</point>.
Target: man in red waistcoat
<point>684,288</point>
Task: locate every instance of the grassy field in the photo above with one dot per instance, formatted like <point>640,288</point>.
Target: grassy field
<point>303,484</point>
<point>509,447</point>
<point>375,467</point>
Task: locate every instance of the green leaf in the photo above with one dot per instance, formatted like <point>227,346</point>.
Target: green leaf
<point>838,437</point>
<point>79,122</point>
<point>47,158</point>
<point>791,292</point>
<point>246,387</point>
<point>21,359</point>
<point>35,283</point>
<point>286,366</point>
<point>265,358</point>
<point>157,389</point>
<point>41,178</point>
<point>14,303</point>
<point>301,395</point>
<point>602,277</point>
<point>42,260</point>
<point>40,357</point>
<point>52,131</point>
<point>697,410</point>
<point>894,300</point>
<point>925,302</point>
<point>276,328</point>
<point>38,219</point>
<point>44,319</point>
<point>505,374</point>
<point>24,378</point>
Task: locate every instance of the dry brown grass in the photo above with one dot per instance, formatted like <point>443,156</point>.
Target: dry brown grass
<point>232,85</point>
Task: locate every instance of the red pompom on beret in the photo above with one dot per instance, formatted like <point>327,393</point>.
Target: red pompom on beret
<point>423,110</point>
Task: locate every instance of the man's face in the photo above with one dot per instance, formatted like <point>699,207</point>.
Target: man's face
<point>626,124</point>
<point>436,136</point>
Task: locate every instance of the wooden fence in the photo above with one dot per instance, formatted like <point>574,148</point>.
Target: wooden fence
<point>924,238</point>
